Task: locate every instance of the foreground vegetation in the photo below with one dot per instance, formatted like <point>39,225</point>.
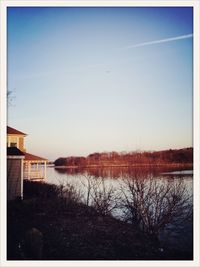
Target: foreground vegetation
<point>55,223</point>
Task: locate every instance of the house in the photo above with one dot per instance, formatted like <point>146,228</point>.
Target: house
<point>20,164</point>
<point>15,138</point>
<point>15,159</point>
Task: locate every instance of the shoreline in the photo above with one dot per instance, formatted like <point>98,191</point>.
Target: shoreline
<point>178,165</point>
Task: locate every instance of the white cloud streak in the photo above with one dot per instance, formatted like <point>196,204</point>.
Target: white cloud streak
<point>166,40</point>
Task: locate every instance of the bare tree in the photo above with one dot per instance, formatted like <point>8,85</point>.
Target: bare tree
<point>153,204</point>
<point>103,197</point>
<point>88,184</point>
<point>69,193</point>
<point>99,195</point>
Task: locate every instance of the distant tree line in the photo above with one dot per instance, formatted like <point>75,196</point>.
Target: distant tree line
<point>171,156</point>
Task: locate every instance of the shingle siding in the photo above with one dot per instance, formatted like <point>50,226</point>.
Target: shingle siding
<point>14,186</point>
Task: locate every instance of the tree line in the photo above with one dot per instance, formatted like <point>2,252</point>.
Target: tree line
<point>170,156</point>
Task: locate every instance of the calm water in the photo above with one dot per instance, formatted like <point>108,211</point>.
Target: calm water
<point>113,177</point>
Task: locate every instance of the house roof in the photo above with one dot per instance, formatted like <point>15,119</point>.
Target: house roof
<point>11,130</point>
<point>32,157</point>
<point>14,151</point>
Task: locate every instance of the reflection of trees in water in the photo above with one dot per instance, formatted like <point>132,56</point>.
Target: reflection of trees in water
<point>117,172</point>
<point>70,171</point>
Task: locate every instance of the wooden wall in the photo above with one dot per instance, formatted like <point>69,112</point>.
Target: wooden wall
<point>14,175</point>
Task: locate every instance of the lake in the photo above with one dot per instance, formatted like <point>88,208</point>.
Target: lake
<point>115,177</point>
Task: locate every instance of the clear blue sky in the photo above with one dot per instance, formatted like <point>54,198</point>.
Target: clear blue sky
<point>100,79</point>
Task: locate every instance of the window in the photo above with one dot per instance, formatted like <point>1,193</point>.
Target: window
<point>13,144</point>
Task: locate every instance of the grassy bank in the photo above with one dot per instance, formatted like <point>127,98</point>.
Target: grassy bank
<point>49,227</point>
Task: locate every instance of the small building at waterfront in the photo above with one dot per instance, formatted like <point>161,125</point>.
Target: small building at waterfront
<point>15,158</point>
<point>15,138</point>
<point>20,164</point>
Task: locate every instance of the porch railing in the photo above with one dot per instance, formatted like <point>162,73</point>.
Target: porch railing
<point>33,174</point>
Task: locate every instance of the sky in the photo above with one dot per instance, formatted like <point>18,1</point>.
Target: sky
<point>86,80</point>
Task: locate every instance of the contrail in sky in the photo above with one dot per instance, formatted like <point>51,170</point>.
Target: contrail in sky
<point>166,40</point>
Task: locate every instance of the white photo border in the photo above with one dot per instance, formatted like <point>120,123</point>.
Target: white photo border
<point>196,124</point>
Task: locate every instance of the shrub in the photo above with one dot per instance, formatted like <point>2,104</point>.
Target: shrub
<point>152,204</point>
<point>39,189</point>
